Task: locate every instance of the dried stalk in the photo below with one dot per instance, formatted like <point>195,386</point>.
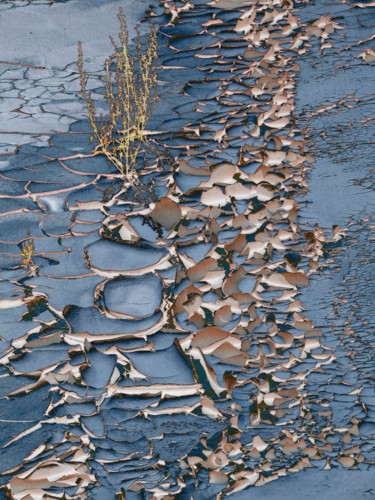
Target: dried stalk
<point>27,252</point>
<point>131,96</point>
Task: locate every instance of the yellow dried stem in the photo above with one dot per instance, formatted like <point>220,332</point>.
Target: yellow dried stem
<point>27,252</point>
<point>130,94</point>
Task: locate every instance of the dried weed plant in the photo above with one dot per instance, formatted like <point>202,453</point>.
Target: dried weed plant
<point>131,81</point>
<point>27,253</point>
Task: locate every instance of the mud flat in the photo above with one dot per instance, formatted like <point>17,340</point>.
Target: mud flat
<point>205,332</point>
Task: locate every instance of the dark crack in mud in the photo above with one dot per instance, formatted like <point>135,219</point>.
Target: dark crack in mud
<point>200,338</point>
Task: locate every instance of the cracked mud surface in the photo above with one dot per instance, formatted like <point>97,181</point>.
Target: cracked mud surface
<point>214,336</point>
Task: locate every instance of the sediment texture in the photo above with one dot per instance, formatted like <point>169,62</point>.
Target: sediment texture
<point>159,345</point>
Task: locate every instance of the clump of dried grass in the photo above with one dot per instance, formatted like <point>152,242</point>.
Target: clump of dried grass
<point>27,253</point>
<point>131,96</point>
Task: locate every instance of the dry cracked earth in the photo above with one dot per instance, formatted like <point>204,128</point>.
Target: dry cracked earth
<point>209,331</point>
